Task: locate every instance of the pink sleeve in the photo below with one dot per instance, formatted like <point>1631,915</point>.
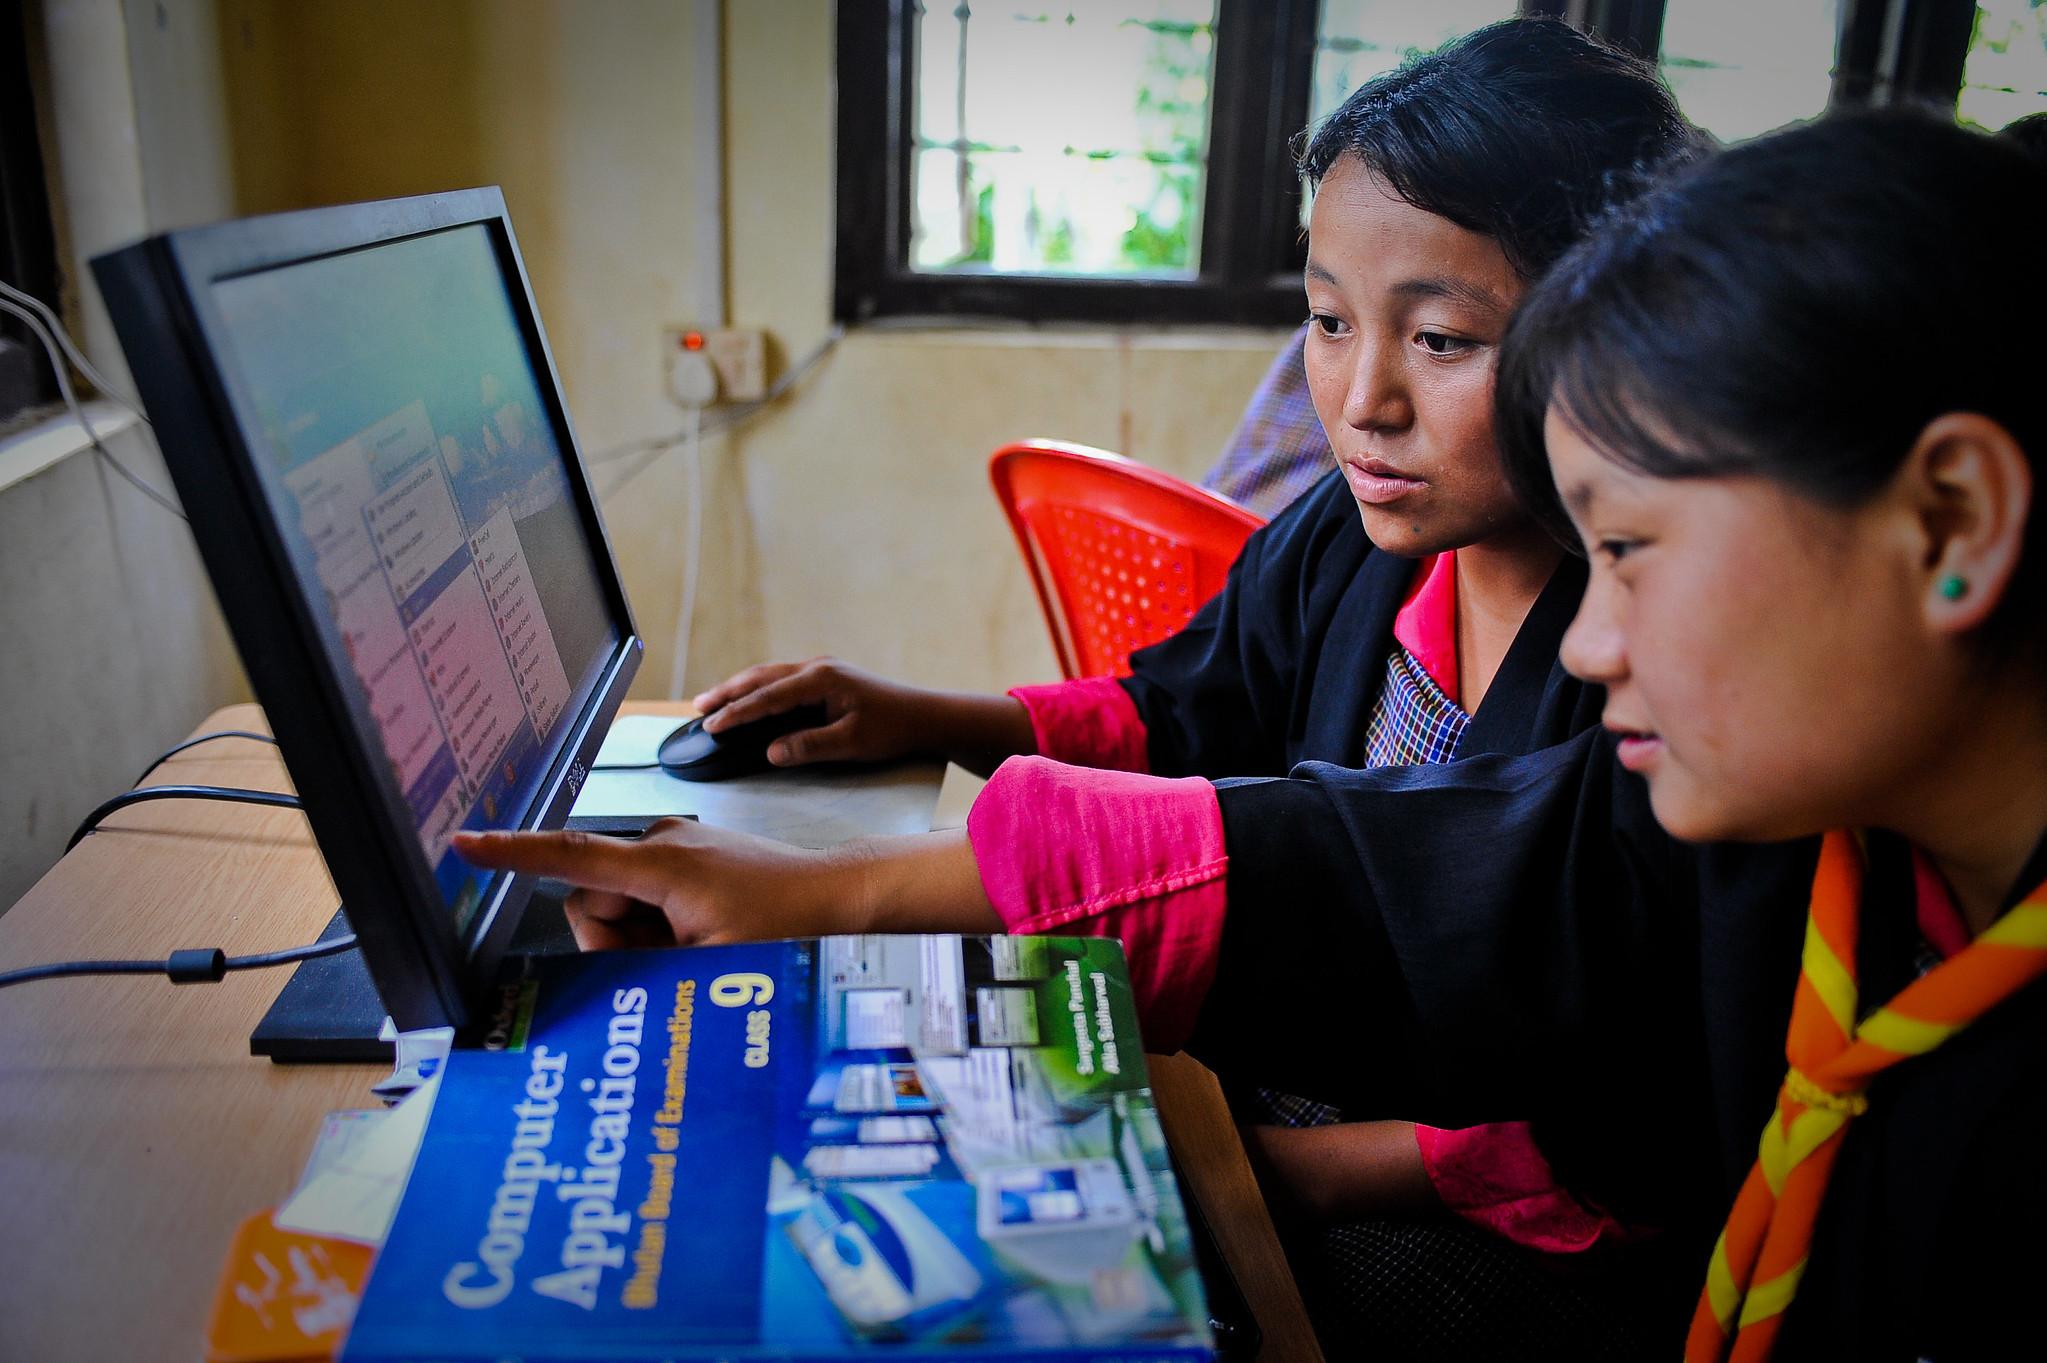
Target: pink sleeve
<point>1495,1176</point>
<point>1091,722</point>
<point>1111,854</point>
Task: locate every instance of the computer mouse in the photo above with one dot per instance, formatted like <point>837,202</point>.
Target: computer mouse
<point>695,754</point>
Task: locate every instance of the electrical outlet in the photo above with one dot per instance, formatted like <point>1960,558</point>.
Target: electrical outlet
<point>692,379</point>
<point>739,354</point>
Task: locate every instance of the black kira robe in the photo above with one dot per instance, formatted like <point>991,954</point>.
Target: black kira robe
<point>1512,936</point>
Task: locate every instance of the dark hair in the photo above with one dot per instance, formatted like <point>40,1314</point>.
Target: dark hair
<point>1523,130</point>
<point>2029,132</point>
<point>1797,308</point>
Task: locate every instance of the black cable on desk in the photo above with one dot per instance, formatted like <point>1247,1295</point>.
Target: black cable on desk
<point>227,794</point>
<point>169,753</point>
<point>194,965</point>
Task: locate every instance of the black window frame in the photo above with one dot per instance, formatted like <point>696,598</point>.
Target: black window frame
<point>1251,254</point>
<point>28,244</point>
<point>1890,51</point>
<point>1251,245</point>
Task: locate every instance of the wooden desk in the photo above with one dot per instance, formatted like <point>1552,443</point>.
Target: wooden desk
<point>136,1130</point>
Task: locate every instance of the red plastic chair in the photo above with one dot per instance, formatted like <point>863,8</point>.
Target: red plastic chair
<point>1121,554</point>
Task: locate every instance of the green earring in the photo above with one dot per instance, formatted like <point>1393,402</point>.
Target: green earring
<point>1954,586</point>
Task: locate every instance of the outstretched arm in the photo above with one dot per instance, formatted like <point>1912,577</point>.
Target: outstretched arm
<point>682,883</point>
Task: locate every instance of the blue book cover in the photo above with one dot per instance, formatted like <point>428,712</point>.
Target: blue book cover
<point>857,1146</point>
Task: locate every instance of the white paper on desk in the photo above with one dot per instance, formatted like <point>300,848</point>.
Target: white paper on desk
<point>809,807</point>
<point>356,1194</point>
<point>340,1132</point>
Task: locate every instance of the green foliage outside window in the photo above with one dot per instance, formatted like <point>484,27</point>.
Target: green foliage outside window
<point>2006,74</point>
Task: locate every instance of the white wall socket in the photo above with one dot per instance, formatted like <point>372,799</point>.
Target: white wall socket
<point>740,355</point>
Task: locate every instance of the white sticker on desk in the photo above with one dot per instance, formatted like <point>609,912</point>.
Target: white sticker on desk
<point>356,1194</point>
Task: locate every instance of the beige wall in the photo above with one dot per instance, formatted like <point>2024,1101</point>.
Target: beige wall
<point>856,517</point>
<point>110,646</point>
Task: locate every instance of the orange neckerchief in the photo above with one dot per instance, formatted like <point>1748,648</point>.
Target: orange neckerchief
<point>1754,1271</point>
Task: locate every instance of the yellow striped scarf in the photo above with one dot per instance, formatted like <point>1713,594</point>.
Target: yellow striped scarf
<point>1754,1271</point>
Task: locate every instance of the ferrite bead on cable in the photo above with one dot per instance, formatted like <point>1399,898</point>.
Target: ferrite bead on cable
<point>196,965</point>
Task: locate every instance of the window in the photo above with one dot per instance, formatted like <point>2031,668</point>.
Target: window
<point>1129,161</point>
<point>2004,76</point>
<point>1071,160</point>
<point>1742,67</point>
<point>1356,40</point>
<point>1061,143</point>
<point>28,253</point>
<point>1095,160</point>
<point>1359,39</point>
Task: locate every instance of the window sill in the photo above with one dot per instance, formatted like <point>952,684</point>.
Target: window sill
<point>954,333</point>
<point>42,444</point>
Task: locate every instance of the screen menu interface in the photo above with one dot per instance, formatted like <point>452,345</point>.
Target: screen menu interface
<point>426,500</point>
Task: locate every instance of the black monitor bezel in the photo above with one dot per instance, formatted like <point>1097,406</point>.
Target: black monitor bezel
<point>158,293</point>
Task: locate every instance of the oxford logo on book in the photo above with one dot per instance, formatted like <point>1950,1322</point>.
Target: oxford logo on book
<point>513,1017</point>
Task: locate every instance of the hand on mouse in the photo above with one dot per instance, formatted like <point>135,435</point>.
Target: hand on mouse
<point>869,718</point>
<point>683,884</point>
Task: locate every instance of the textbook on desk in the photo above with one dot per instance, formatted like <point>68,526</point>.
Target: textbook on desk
<point>846,1147</point>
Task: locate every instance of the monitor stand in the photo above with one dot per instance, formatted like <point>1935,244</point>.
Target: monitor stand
<point>329,1011</point>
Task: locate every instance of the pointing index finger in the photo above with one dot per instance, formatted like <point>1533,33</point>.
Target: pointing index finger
<point>586,859</point>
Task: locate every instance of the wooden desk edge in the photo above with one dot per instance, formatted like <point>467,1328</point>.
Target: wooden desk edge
<point>1211,1160</point>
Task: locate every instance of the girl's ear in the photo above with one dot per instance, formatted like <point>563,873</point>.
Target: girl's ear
<point>1971,487</point>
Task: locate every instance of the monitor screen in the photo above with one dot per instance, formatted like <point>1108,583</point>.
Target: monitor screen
<point>359,411</point>
<point>424,497</point>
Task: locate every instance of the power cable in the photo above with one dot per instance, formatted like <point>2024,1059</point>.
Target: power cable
<point>720,419</point>
<point>226,794</point>
<point>63,373</point>
<point>193,965</point>
<point>168,753</point>
<point>85,366</point>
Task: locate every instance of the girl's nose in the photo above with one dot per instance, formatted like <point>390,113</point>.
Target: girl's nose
<point>1593,648</point>
<point>1377,398</point>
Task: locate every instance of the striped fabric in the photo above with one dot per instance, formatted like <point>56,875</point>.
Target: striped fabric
<point>1754,1272</point>
<point>1412,722</point>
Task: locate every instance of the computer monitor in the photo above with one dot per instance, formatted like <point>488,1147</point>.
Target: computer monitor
<point>362,419</point>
